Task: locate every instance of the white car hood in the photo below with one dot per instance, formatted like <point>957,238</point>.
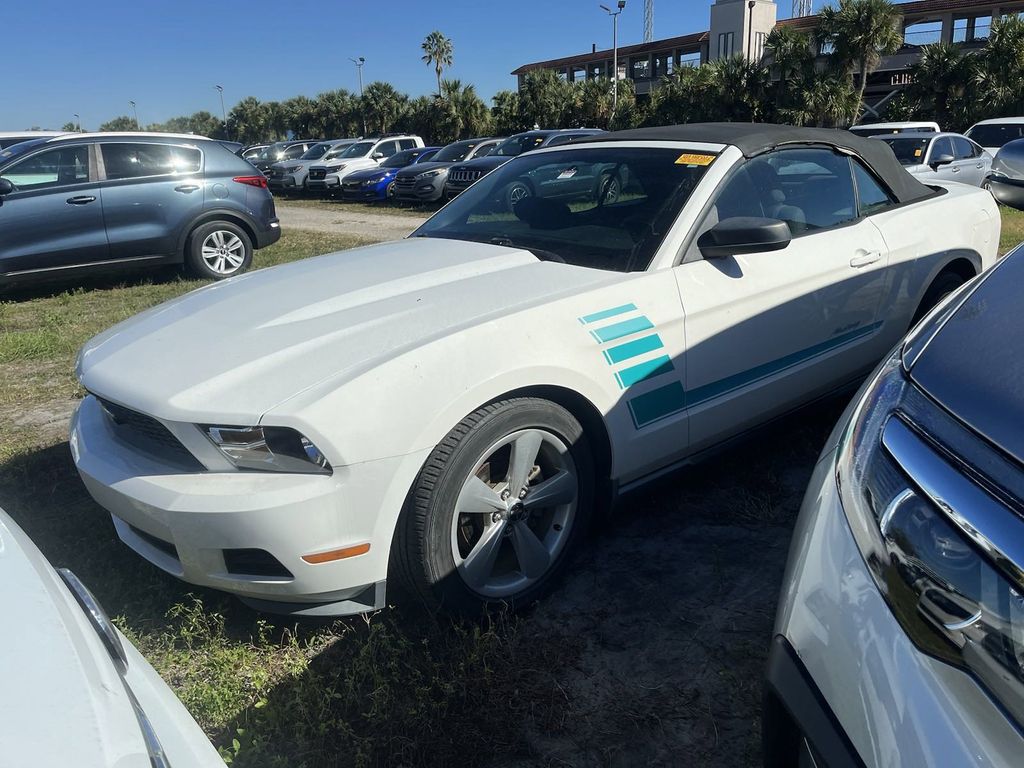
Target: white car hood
<point>62,702</point>
<point>233,350</point>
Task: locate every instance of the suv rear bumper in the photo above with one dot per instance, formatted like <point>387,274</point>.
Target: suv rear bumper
<point>270,235</point>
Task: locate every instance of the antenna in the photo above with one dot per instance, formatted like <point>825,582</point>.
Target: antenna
<point>648,20</point>
<point>803,7</point>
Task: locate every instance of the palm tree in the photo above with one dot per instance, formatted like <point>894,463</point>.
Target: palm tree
<point>505,113</point>
<point>1000,77</point>
<point>438,50</point>
<point>473,117</point>
<point>823,100</point>
<point>383,104</point>
<point>860,32</point>
<point>742,88</point>
<point>542,99</point>
<point>788,50</point>
<point>939,81</point>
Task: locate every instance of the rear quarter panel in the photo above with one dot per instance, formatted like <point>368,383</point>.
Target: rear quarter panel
<point>924,238</point>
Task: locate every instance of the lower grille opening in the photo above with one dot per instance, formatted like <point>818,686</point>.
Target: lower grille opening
<point>254,562</point>
<point>164,546</point>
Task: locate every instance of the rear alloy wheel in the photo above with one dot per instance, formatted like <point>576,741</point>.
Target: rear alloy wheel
<point>498,508</point>
<point>609,189</point>
<point>219,249</point>
<point>519,190</point>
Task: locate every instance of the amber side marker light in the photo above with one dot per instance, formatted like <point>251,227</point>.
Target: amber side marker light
<point>337,554</point>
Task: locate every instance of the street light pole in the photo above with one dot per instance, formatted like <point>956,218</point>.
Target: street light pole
<point>615,50</point>
<point>136,113</point>
<point>78,123</point>
<point>359,68</point>
<point>751,4</point>
<point>223,112</point>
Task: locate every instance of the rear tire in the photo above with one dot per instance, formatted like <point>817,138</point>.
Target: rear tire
<point>218,249</point>
<point>941,287</point>
<point>498,509</point>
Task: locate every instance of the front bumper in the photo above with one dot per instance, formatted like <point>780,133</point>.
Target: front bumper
<point>428,191</point>
<point>1009,192</point>
<point>890,703</point>
<point>190,523</point>
<point>286,182</point>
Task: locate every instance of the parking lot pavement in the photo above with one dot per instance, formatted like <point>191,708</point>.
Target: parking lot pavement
<point>378,226</point>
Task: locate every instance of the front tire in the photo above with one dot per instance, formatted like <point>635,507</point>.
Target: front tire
<point>498,508</point>
<point>218,249</point>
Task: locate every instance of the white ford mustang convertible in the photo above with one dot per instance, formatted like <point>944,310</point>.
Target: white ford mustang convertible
<point>451,408</point>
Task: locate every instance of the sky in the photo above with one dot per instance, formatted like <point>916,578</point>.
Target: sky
<point>92,58</point>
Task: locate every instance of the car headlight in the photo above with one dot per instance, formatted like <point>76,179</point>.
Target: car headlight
<point>943,550</point>
<point>294,168</point>
<point>371,182</point>
<point>268,449</point>
<point>335,168</point>
<point>430,174</point>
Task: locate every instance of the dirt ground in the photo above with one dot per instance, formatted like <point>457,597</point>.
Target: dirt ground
<point>347,221</point>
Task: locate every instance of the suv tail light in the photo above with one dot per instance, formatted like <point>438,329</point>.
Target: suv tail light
<point>252,181</point>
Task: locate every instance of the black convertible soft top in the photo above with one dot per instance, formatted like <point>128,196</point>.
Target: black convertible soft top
<point>756,138</point>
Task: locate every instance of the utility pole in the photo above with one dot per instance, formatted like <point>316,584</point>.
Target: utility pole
<point>223,112</point>
<point>615,50</point>
<point>750,29</point>
<point>78,123</point>
<point>136,113</point>
<point>359,68</point>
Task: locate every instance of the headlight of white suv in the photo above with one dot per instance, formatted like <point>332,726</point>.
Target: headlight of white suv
<point>940,539</point>
<point>268,449</point>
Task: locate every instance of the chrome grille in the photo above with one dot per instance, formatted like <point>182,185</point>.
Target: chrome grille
<point>318,173</point>
<point>463,177</point>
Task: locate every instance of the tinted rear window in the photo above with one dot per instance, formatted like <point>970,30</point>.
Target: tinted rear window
<point>131,161</point>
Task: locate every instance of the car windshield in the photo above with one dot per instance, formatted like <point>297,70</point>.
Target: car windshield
<point>359,149</point>
<point>455,153</point>
<point>604,207</point>
<point>316,151</point>
<point>908,150</point>
<point>401,159</point>
<point>516,145</point>
<point>997,134</point>
<point>20,148</point>
<point>336,151</point>
<point>889,131</point>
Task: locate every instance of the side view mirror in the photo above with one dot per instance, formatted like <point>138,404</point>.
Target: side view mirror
<point>6,187</point>
<point>377,155</point>
<point>941,160</point>
<point>744,234</point>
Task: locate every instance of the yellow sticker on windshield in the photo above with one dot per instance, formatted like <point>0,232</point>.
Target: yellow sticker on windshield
<point>694,159</point>
<point>917,152</point>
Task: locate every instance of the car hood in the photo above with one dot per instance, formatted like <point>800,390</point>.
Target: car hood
<point>974,363</point>
<point>371,173</point>
<point>62,701</point>
<point>235,349</point>
<point>488,163</point>
<point>417,168</point>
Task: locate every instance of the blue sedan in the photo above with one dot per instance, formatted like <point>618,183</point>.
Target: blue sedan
<point>374,184</point>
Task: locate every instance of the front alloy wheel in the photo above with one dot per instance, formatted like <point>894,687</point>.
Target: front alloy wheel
<point>219,249</point>
<point>498,508</point>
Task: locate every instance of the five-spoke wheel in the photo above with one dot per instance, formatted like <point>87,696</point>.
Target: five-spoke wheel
<point>219,249</point>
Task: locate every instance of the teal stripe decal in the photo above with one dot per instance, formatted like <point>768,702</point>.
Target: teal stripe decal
<point>627,377</point>
<point>625,328</point>
<point>606,313</point>
<point>657,404</point>
<point>730,383</point>
<point>633,349</point>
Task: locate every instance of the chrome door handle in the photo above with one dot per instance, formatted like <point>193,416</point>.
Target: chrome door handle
<point>187,188</point>
<point>81,200</point>
<point>980,165</point>
<point>956,169</point>
<point>863,259</point>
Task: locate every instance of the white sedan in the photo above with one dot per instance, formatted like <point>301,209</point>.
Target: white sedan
<point>75,692</point>
<point>452,408</point>
<point>941,157</point>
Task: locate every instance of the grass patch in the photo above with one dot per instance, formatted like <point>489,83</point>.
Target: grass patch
<point>1013,228</point>
<point>390,208</point>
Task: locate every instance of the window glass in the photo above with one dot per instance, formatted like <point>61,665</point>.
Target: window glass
<point>809,189</point>
<point>941,146</point>
<point>909,150</point>
<point>606,207</point>
<point>516,145</point>
<point>962,148</point>
<point>316,151</point>
<point>131,161</point>
<point>996,134</point>
<point>562,139</point>
<point>407,143</point>
<point>454,153</point>
<point>56,167</point>
<point>359,149</point>
<point>387,148</point>
<point>293,152</point>
<point>871,196</point>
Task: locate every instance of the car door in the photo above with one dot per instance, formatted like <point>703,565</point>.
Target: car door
<point>53,218</point>
<point>150,191</point>
<point>947,171</point>
<point>769,330</point>
<point>968,157</point>
<point>384,150</point>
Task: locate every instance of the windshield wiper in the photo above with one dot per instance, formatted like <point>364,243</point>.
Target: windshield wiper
<point>540,253</point>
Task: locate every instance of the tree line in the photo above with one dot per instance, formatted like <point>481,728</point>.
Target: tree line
<point>790,84</point>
